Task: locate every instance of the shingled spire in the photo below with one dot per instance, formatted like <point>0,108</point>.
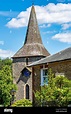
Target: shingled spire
<point>33,45</point>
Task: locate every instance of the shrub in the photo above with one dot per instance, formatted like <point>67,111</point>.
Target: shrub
<point>56,93</point>
<point>22,103</point>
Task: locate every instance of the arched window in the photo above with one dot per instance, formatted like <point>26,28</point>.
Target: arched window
<point>27,91</point>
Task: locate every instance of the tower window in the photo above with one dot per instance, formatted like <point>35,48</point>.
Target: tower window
<point>26,61</point>
<point>27,91</point>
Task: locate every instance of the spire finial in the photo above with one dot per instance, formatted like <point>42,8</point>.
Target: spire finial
<point>33,2</point>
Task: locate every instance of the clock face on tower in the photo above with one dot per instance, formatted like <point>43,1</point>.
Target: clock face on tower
<point>26,72</point>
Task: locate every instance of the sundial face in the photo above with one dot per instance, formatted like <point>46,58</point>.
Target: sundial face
<point>26,72</point>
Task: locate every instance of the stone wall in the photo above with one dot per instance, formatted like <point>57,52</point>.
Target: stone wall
<point>61,67</point>
<point>36,78</point>
<point>21,81</point>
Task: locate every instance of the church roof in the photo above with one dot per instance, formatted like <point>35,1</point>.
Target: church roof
<point>33,45</point>
<point>60,56</point>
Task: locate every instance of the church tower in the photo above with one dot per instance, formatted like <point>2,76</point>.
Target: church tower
<point>32,50</point>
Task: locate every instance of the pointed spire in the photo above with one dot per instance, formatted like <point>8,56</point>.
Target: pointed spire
<point>33,45</point>
<point>33,34</point>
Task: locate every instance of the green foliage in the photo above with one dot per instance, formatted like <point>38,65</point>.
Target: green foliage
<point>4,62</point>
<point>38,96</point>
<point>56,93</point>
<point>22,103</point>
<point>51,78</point>
<point>6,83</point>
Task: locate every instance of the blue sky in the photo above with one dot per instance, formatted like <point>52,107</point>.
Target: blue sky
<point>54,20</point>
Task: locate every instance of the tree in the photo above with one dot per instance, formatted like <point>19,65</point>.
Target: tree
<point>56,93</point>
<point>4,62</point>
<point>6,85</point>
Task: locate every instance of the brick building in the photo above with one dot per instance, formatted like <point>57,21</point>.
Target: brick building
<point>32,50</point>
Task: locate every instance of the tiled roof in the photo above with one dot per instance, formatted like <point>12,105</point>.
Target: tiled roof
<point>32,50</point>
<point>62,55</point>
<point>33,45</point>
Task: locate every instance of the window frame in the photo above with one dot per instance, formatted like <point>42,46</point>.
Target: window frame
<point>42,76</point>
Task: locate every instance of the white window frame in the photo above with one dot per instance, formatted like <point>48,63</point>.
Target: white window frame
<point>42,81</point>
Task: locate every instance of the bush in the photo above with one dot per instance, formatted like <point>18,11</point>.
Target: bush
<point>56,93</point>
<point>22,103</point>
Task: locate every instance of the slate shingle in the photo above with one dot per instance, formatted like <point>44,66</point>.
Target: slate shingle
<point>62,55</point>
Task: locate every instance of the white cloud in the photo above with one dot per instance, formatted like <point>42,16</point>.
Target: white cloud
<point>66,26</point>
<point>51,13</point>
<point>49,32</point>
<point>63,37</point>
<point>21,20</point>
<point>16,23</point>
<point>45,25</point>
<point>1,42</point>
<point>49,25</point>
<point>6,53</point>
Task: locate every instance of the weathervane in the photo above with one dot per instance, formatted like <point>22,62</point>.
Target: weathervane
<point>33,2</point>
